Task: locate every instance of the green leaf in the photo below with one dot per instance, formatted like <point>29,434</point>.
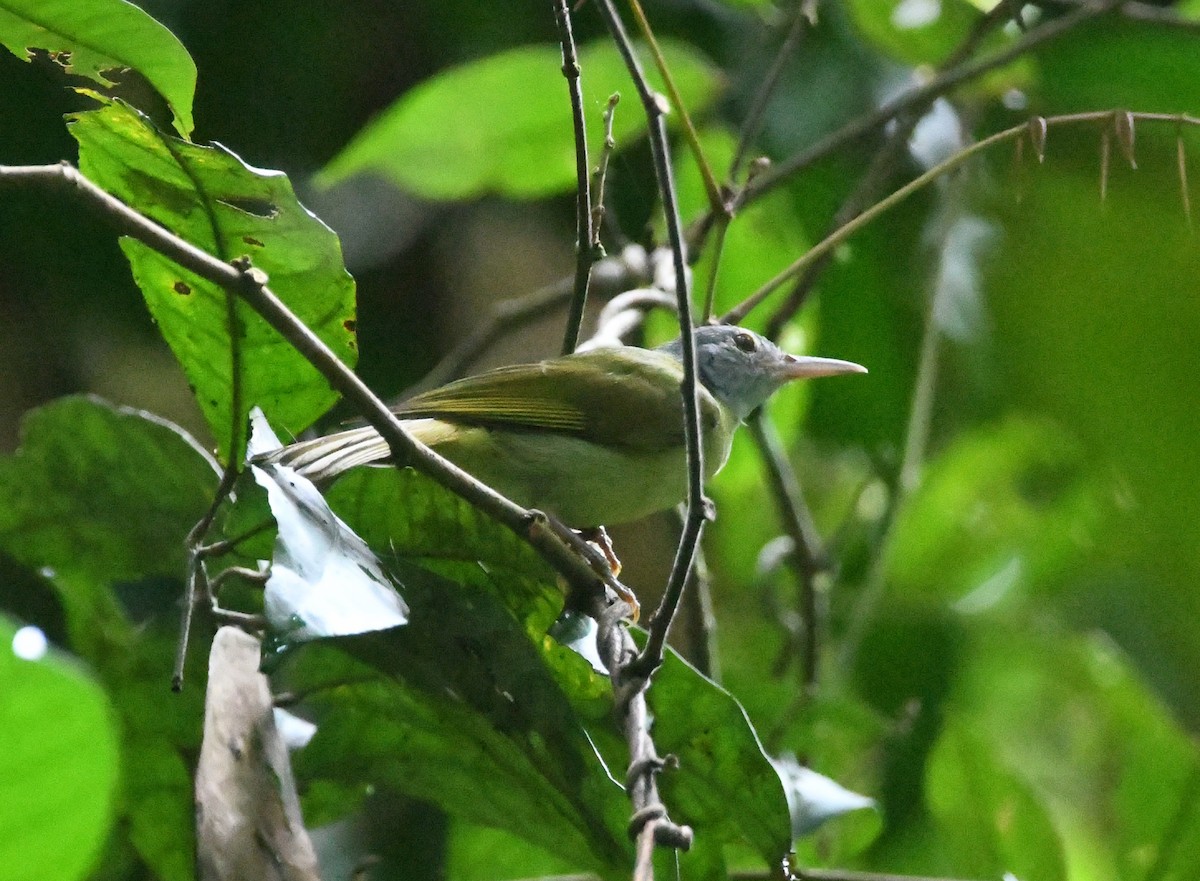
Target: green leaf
<point>1068,716</point>
<point>1003,512</point>
<point>401,513</point>
<point>725,785</point>
<point>94,38</point>
<point>98,495</point>
<point>58,768</point>
<point>915,31</point>
<point>992,819</point>
<point>101,494</point>
<point>458,708</point>
<point>209,197</point>
<point>503,124</point>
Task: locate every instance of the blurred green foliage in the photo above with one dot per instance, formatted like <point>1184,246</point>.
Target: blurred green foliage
<point>1008,503</point>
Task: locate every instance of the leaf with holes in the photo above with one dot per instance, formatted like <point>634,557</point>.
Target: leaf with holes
<point>95,38</point>
<point>207,195</point>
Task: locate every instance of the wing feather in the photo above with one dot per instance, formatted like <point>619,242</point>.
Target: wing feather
<point>622,397</point>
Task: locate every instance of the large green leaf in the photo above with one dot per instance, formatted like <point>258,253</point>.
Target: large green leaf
<point>208,196</point>
<point>97,38</point>
<point>725,786</point>
<point>402,513</point>
<point>58,768</point>
<point>104,492</point>
<point>503,124</point>
<point>992,819</point>
<point>98,496</point>
<point>1003,512</point>
<point>457,707</point>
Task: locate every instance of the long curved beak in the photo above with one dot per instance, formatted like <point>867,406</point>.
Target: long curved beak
<point>808,367</point>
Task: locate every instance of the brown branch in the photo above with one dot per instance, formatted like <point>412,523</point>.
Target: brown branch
<point>915,97</point>
<point>807,558</point>
<point>631,675</point>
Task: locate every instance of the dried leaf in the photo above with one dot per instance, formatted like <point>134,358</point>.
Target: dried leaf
<point>1123,127</point>
<point>1037,137</point>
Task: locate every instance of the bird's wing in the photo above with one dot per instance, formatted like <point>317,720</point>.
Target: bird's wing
<point>620,397</point>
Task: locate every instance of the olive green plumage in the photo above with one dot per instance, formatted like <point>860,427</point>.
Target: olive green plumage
<point>595,437</point>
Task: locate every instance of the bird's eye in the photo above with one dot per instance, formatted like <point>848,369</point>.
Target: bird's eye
<point>745,341</point>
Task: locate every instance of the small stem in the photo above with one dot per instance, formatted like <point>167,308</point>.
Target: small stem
<point>939,85</point>
<point>194,544</point>
<point>585,254</point>
<point>807,557</point>
<point>606,151</point>
<point>710,291</point>
<point>752,124</point>
<point>711,188</point>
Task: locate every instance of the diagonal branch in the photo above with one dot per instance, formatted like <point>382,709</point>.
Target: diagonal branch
<point>250,285</point>
<point>939,85</point>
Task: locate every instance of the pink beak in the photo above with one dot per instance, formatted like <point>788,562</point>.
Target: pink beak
<point>807,367</point>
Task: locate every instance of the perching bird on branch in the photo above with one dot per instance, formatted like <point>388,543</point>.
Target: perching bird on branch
<point>594,437</point>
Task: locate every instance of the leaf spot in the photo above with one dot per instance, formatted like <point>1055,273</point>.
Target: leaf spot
<point>183,288</point>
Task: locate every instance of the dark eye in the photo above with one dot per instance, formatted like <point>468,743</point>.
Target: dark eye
<point>745,341</point>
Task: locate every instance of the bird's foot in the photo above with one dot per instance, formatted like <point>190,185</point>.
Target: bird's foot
<point>598,538</point>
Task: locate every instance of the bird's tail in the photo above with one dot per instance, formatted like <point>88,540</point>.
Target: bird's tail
<point>323,459</point>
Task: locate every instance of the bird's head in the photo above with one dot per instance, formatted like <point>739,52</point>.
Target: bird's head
<point>742,368</point>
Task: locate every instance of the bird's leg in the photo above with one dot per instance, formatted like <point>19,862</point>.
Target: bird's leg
<point>598,538</point>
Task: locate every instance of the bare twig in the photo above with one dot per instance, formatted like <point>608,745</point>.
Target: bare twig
<point>711,188</point>
<point>702,620</point>
<point>753,121</point>
<point>606,151</point>
<point>807,557</point>
<point>650,824</point>
<point>195,562</point>
<point>919,95</point>
<point>585,253</point>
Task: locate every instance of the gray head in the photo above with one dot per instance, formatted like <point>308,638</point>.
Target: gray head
<point>742,368</point>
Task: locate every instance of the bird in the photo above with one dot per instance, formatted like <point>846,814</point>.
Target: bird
<point>594,438</point>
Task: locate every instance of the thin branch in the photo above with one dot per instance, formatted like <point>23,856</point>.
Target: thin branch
<point>585,253</point>
<point>702,620</point>
<point>250,284</point>
<point>710,290</point>
<point>939,85</point>
<point>195,561</point>
<point>650,824</point>
<point>838,236</point>
<point>807,558</point>
<point>598,181</point>
<point>711,188</point>
<point>698,507</point>
<point>753,121</point>
<point>629,269</point>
